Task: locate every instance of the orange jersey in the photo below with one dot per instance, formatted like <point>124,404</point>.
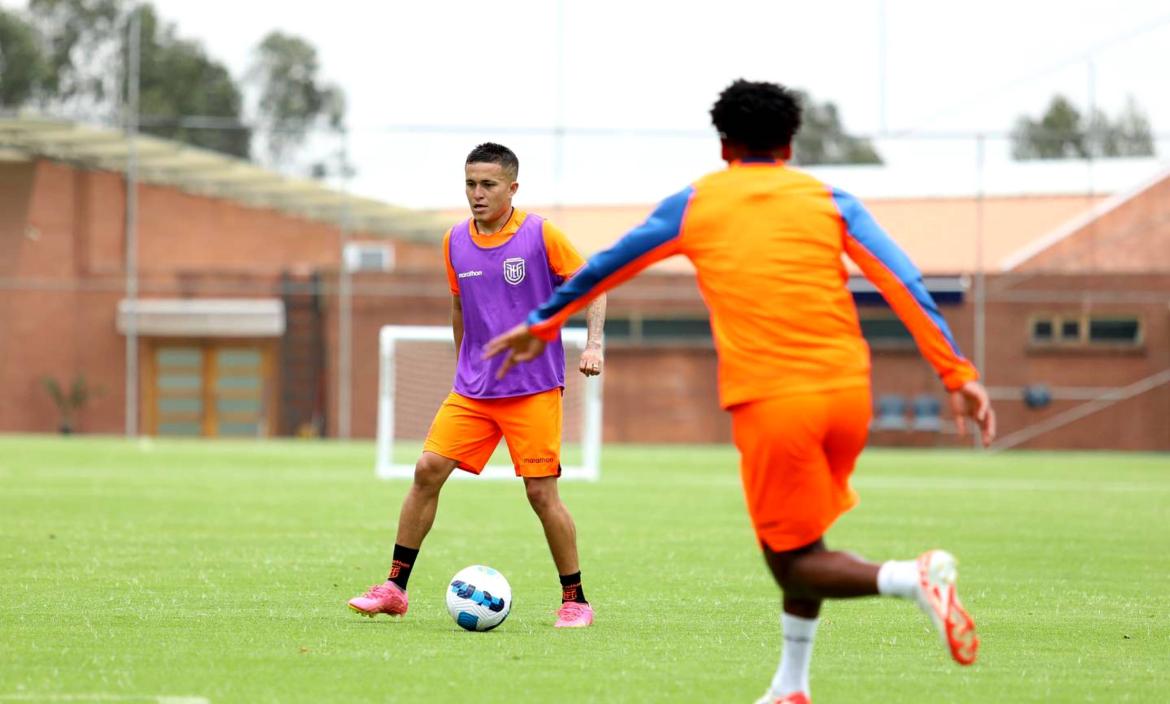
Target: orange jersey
<point>563,259</point>
<point>767,244</point>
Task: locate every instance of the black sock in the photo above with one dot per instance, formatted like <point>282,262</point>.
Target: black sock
<point>571,589</point>
<point>402,564</point>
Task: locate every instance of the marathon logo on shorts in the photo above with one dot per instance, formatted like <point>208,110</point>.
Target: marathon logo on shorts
<point>538,460</point>
<point>514,270</point>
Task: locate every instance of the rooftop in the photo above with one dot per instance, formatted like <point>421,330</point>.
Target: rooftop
<point>207,173</point>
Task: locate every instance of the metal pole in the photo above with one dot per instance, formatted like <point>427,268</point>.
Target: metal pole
<point>559,128</point>
<point>883,126</point>
<point>344,304</point>
<point>131,264</point>
<point>980,273</point>
<point>1091,143</point>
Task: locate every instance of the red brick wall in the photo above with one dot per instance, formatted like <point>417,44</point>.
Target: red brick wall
<point>1132,237</point>
<point>61,241</point>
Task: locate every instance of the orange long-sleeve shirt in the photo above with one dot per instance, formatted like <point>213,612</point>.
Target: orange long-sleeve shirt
<point>767,242</point>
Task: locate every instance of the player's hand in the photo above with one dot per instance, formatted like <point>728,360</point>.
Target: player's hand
<point>522,346</point>
<point>592,361</point>
<point>970,401</point>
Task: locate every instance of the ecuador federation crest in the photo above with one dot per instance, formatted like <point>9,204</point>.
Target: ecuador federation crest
<point>514,270</point>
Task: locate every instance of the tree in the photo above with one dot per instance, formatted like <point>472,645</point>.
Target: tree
<point>1064,133</point>
<point>178,79</point>
<point>24,69</point>
<point>822,138</point>
<point>81,39</point>
<point>293,98</point>
<point>71,57</point>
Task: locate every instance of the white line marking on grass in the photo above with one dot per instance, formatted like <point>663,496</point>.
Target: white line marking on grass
<point>103,697</point>
<point>977,484</point>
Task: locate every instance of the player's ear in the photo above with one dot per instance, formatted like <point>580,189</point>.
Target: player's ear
<point>512,188</point>
<point>786,153</point>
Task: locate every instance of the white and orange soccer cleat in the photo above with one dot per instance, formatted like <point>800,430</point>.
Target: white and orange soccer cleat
<point>937,573</point>
<point>386,598</point>
<point>793,698</point>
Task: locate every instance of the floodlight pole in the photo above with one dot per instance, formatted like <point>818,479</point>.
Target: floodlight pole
<point>344,304</point>
<point>882,46</point>
<point>980,274</point>
<point>131,263</point>
<point>559,127</point>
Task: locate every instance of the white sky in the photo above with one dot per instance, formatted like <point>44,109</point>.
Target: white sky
<point>635,64</point>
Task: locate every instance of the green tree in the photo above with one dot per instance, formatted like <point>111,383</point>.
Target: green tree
<point>822,138</point>
<point>293,99</point>
<point>178,79</point>
<point>1062,132</point>
<point>24,69</point>
<point>81,39</point>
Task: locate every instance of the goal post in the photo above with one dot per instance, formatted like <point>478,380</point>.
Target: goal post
<point>416,367</point>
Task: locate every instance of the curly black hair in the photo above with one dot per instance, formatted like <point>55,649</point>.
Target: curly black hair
<point>760,116</point>
<point>492,153</point>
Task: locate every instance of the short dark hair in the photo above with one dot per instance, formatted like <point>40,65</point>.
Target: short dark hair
<point>492,153</point>
<point>760,116</point>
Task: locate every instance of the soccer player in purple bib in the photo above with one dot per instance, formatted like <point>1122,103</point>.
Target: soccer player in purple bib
<point>501,263</point>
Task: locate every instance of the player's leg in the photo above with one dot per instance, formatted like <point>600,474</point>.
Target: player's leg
<point>462,435</point>
<point>816,572</point>
<point>792,500</point>
<point>532,429</point>
<point>815,454</point>
<point>798,455</point>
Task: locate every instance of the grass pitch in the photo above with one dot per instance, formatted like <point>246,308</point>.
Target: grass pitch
<point>172,571</point>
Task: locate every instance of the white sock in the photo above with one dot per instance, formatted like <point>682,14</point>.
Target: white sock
<point>898,578</point>
<point>792,675</point>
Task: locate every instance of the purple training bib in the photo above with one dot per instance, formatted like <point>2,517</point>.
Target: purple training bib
<point>497,288</point>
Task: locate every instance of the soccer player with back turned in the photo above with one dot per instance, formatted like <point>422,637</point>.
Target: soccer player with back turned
<point>500,263</point>
<point>766,242</point>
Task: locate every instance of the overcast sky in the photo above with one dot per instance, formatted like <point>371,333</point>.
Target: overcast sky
<point>635,64</point>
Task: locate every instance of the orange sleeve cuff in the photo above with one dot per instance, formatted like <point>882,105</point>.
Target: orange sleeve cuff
<point>955,378</point>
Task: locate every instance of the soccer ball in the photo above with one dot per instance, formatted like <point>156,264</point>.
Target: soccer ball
<point>479,598</point>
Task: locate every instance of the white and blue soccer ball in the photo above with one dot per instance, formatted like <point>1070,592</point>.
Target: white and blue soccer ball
<point>479,598</point>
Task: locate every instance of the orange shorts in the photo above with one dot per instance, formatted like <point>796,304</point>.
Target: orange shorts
<point>796,456</point>
<point>468,430</point>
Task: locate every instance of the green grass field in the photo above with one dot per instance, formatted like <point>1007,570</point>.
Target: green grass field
<point>219,571</point>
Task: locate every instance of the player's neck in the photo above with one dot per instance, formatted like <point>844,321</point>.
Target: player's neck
<point>491,227</point>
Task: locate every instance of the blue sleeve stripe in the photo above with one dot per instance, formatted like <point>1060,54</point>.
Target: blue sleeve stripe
<point>862,227</point>
<point>663,225</point>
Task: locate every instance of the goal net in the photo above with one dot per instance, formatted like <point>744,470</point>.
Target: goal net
<point>415,371</point>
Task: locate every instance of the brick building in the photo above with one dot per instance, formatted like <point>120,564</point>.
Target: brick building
<point>240,271</point>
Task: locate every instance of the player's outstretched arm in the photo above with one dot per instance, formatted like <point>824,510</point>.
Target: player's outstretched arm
<point>653,240</point>
<point>885,264</point>
<point>520,344</point>
<point>970,401</point>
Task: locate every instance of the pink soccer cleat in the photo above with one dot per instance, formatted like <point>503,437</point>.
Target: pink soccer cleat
<point>386,598</point>
<point>937,596</point>
<point>574,614</point>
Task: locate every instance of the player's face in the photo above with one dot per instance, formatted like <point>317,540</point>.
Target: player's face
<point>489,191</point>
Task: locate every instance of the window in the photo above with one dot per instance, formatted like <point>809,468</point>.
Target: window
<point>639,330</point>
<point>676,329</point>
<point>886,332</point>
<point>1070,330</point>
<point>1085,331</point>
<point>1042,330</point>
<point>368,256</point>
<point>1114,331</point>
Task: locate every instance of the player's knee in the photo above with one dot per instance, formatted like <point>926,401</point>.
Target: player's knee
<point>430,472</point>
<point>542,495</point>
